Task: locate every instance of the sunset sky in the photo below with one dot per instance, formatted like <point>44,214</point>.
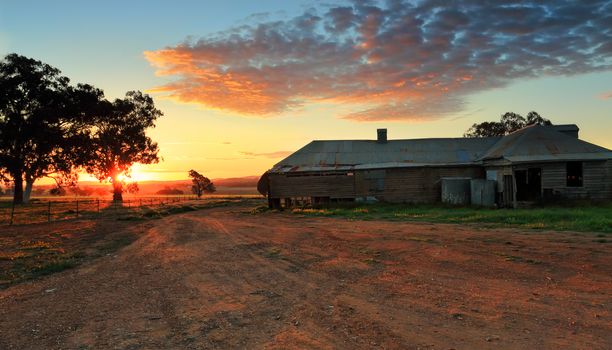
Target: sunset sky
<point>244,83</point>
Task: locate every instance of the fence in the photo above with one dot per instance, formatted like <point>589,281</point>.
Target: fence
<point>39,211</point>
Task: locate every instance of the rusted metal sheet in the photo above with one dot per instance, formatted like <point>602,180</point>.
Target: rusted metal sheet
<point>365,154</point>
<point>543,143</point>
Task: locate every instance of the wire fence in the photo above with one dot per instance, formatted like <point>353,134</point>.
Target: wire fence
<point>39,211</point>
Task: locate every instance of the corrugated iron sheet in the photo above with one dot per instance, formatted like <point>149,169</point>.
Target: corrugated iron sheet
<point>366,154</point>
<point>534,143</point>
<point>541,143</point>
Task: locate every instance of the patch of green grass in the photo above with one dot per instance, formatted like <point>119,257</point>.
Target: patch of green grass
<point>54,266</point>
<point>421,239</point>
<point>41,265</point>
<point>518,259</point>
<point>34,245</point>
<point>273,253</point>
<point>371,261</point>
<point>595,218</point>
<point>259,209</point>
<point>117,243</point>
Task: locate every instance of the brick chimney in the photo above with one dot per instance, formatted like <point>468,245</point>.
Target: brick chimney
<point>382,135</point>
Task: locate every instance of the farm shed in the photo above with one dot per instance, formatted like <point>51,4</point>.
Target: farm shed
<point>534,163</point>
<point>548,163</point>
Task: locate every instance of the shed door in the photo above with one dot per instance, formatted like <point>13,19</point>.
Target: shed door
<point>528,184</point>
<point>508,195</point>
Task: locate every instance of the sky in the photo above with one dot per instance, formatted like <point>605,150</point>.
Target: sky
<point>242,84</point>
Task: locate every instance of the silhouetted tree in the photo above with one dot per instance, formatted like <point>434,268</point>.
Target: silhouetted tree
<point>535,118</point>
<point>200,184</point>
<point>57,191</point>
<point>118,140</point>
<point>508,123</point>
<point>43,122</point>
<point>168,191</point>
<point>78,191</point>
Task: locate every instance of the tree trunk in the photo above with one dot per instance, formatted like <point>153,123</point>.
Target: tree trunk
<point>18,189</point>
<point>28,191</point>
<point>117,191</point>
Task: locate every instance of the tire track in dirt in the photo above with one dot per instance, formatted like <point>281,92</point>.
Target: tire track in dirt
<point>221,278</point>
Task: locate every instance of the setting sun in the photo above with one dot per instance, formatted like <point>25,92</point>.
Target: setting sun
<point>137,175</point>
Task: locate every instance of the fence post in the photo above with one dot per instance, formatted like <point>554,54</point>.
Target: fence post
<point>77,208</point>
<point>12,213</point>
<point>49,211</point>
<point>128,203</point>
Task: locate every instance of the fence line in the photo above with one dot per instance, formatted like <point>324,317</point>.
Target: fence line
<point>59,209</point>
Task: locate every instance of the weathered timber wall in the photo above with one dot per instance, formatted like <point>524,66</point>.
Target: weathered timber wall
<point>333,186</point>
<point>597,179</point>
<point>422,185</point>
<point>417,185</point>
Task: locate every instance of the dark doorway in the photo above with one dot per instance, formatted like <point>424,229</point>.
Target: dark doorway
<point>528,184</point>
<point>508,194</point>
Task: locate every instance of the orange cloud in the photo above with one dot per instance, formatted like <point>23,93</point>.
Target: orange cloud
<point>605,95</point>
<point>277,154</point>
<point>403,61</point>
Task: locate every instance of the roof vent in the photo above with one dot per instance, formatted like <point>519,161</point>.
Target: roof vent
<point>568,129</point>
<point>382,135</point>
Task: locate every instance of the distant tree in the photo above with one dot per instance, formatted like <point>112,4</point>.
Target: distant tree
<point>57,191</point>
<point>42,123</point>
<point>486,129</point>
<point>84,192</point>
<point>167,191</point>
<point>1,191</point>
<point>200,184</point>
<point>535,118</point>
<point>119,140</point>
<point>508,123</point>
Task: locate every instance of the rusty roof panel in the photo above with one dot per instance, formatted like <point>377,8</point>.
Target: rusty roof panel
<point>362,152</point>
<point>534,143</point>
<point>544,143</point>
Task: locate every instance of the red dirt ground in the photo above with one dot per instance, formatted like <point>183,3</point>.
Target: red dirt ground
<point>223,278</point>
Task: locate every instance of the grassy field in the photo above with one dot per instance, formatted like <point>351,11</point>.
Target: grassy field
<point>580,218</point>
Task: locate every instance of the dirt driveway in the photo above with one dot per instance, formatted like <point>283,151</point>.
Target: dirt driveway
<point>226,279</point>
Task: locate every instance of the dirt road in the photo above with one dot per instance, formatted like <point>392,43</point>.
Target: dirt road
<point>225,279</point>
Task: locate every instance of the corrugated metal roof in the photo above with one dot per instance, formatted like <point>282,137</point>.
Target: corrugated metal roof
<point>542,143</point>
<point>530,144</point>
<point>363,154</point>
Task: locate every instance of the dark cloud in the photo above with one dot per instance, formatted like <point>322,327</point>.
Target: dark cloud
<point>404,60</point>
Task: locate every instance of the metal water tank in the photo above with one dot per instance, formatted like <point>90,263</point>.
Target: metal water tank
<point>456,190</point>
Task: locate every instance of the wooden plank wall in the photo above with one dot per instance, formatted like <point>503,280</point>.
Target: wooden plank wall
<point>597,180</point>
<point>422,185</point>
<point>415,185</point>
<point>333,186</point>
<point>608,190</point>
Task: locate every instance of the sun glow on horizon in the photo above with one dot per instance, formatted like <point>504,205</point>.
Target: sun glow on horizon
<point>138,175</point>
